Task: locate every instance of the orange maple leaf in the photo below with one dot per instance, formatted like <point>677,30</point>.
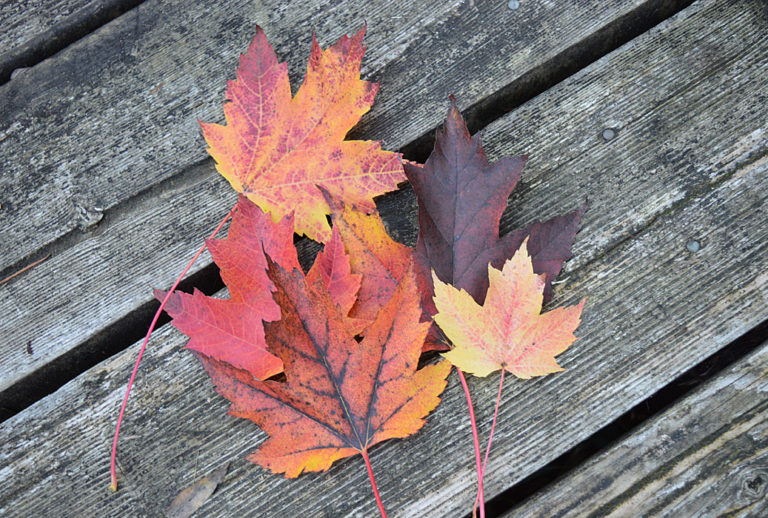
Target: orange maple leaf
<point>377,258</point>
<point>507,331</point>
<point>341,397</point>
<point>276,149</point>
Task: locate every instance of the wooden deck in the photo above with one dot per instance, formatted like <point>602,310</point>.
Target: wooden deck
<point>105,170</point>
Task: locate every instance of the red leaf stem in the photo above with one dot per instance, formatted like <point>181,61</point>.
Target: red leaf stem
<point>476,440</point>
<point>490,439</point>
<point>112,468</point>
<point>364,453</point>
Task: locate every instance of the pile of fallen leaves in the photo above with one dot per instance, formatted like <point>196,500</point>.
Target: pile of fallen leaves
<point>326,361</point>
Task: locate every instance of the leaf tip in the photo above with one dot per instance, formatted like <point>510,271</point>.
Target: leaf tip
<point>361,33</point>
<point>159,294</point>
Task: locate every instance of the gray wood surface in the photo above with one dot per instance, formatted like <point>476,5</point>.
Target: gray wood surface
<point>654,308</point>
<point>117,112</point>
<point>177,426</point>
<point>706,456</point>
<point>28,24</point>
<point>106,169</point>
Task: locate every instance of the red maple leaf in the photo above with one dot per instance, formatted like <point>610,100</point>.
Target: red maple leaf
<point>231,330</point>
<point>332,265</point>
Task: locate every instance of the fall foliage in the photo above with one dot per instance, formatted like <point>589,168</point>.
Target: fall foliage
<point>333,267</point>
<point>231,330</point>
<point>277,150</point>
<point>507,331</point>
<point>341,397</point>
<point>380,261</point>
<point>461,199</point>
<point>348,335</point>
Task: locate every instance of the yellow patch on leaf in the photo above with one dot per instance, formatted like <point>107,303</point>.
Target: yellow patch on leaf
<point>507,331</point>
<point>276,149</point>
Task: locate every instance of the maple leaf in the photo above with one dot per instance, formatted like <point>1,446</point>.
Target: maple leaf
<point>341,397</point>
<point>377,258</point>
<point>549,245</point>
<point>507,331</point>
<point>276,149</point>
<point>461,199</point>
<point>231,330</point>
<point>332,265</point>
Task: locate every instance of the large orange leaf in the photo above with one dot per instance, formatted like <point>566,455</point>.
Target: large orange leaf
<point>341,397</point>
<point>507,331</point>
<point>276,149</point>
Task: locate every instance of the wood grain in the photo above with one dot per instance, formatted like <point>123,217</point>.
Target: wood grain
<point>106,170</point>
<point>30,24</point>
<point>116,113</point>
<point>706,456</point>
<point>654,309</point>
<point>148,240</point>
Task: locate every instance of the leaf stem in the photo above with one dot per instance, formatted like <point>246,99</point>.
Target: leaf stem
<point>493,427</point>
<point>480,493</point>
<point>364,453</point>
<point>112,469</point>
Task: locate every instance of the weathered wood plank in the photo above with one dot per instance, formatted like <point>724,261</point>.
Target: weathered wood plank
<point>117,112</point>
<point>706,456</point>
<point>55,453</point>
<point>623,199</point>
<point>22,22</point>
<point>652,305</point>
<point>35,28</point>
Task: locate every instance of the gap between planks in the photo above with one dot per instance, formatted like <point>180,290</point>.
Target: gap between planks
<point>480,113</point>
<point>533,488</point>
<point>111,338</point>
<point>416,476</point>
<point>57,29</point>
<point>736,231</point>
<point>704,456</point>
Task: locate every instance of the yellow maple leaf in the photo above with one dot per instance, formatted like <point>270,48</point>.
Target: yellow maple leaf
<point>507,331</point>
